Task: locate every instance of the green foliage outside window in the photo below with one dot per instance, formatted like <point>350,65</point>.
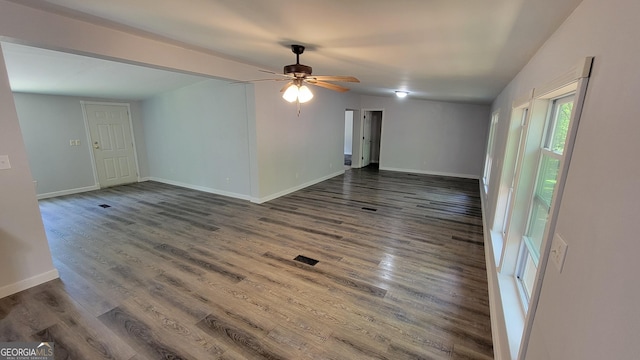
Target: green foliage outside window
<point>561,127</point>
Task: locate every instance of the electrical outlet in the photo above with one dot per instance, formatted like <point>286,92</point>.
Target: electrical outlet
<point>558,251</point>
<point>76,143</point>
<point>71,142</point>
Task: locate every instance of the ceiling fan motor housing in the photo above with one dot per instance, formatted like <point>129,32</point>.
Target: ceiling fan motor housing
<point>297,70</point>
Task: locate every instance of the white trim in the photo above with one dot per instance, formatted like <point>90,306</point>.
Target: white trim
<point>498,331</point>
<point>507,315</point>
<point>94,167</point>
<point>67,192</point>
<point>497,243</point>
<point>295,188</point>
<point>580,71</point>
<point>490,151</point>
<point>427,172</point>
<point>146,178</point>
<point>200,188</point>
<point>361,134</point>
<point>28,283</point>
<point>523,101</point>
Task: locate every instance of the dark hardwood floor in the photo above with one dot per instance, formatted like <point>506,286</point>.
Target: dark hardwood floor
<point>172,273</point>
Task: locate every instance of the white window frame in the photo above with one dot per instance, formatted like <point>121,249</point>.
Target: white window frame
<point>486,177</point>
<point>527,248</point>
<point>508,207</point>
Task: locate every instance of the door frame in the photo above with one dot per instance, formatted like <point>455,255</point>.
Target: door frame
<point>366,142</point>
<point>353,125</point>
<point>361,134</point>
<point>83,104</point>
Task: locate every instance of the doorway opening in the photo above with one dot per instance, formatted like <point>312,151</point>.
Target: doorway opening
<point>371,138</point>
<point>348,138</point>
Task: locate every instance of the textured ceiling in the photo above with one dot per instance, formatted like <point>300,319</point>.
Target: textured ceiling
<point>437,49</point>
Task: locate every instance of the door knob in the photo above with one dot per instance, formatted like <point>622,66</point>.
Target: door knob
<point>95,145</point>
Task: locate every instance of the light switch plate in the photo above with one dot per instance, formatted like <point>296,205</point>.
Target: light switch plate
<point>4,162</point>
<point>558,251</point>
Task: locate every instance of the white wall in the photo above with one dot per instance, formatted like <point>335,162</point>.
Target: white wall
<point>48,123</point>
<point>590,310</point>
<point>348,132</point>
<point>25,259</point>
<point>431,137</point>
<point>197,136</point>
<point>295,151</point>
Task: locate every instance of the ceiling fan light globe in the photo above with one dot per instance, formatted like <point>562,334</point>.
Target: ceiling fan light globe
<point>291,94</point>
<point>304,94</point>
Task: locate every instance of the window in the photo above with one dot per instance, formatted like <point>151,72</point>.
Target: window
<point>541,132</point>
<point>489,158</point>
<point>551,157</point>
<point>509,201</point>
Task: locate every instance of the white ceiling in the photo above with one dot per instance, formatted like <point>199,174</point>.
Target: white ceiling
<point>33,70</point>
<point>437,49</point>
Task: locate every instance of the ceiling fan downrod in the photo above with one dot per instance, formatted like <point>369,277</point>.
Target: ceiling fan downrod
<point>298,70</point>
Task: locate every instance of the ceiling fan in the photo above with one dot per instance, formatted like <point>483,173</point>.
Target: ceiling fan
<point>299,75</point>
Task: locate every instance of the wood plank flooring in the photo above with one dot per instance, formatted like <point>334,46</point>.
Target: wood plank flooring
<point>172,273</point>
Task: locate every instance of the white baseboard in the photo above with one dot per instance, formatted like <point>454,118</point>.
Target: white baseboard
<point>295,188</point>
<point>67,192</point>
<point>425,172</point>
<point>142,179</point>
<point>28,283</point>
<point>200,188</point>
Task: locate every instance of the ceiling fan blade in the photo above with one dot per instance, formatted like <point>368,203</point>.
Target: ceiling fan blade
<point>274,73</point>
<point>286,86</point>
<point>334,78</point>
<point>327,85</point>
<point>257,80</point>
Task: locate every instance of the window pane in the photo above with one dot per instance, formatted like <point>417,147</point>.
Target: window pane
<point>538,221</point>
<point>561,119</point>
<point>547,178</point>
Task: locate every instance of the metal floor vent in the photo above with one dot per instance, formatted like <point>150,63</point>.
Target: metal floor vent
<point>370,209</point>
<point>306,260</point>
<point>104,206</point>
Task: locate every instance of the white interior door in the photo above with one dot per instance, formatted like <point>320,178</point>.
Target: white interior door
<point>366,139</point>
<point>112,143</point>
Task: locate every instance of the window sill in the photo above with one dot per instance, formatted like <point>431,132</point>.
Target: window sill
<point>513,312</point>
<point>507,313</point>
